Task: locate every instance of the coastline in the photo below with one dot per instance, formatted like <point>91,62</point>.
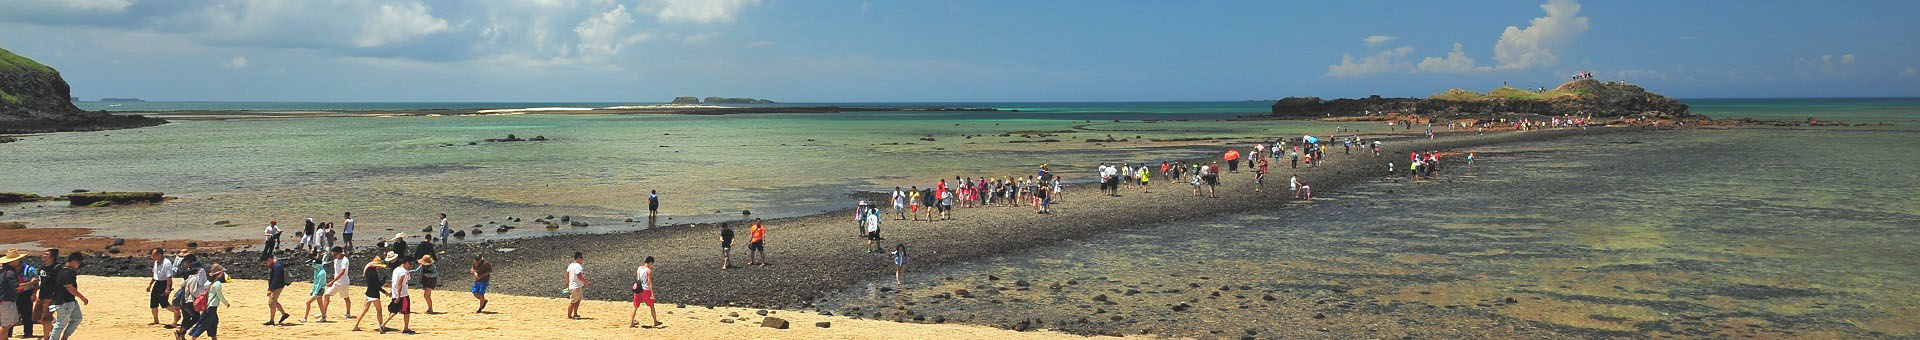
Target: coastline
<point>698,110</point>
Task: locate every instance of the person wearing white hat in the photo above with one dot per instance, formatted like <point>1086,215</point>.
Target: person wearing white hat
<point>10,278</point>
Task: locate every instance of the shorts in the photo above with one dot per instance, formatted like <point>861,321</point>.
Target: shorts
<point>401,305</point>
<point>1212,179</point>
<point>644,297</point>
<point>575,295</point>
<point>481,287</point>
<point>874,235</point>
<point>319,289</point>
<point>342,287</point>
<point>726,251</point>
<point>757,246</point>
<point>375,298</point>
<point>346,238</point>
<point>653,206</point>
<point>158,298</point>
<point>429,282</point>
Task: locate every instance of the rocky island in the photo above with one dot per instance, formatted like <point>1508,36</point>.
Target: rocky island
<point>33,98</point>
<point>719,100</point>
<point>1578,98</point>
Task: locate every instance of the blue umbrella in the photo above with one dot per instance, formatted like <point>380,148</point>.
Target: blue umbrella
<point>1311,140</point>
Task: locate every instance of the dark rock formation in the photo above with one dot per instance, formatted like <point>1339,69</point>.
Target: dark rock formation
<point>1579,97</point>
<point>686,100</point>
<point>103,198</point>
<point>742,100</point>
<point>33,98</point>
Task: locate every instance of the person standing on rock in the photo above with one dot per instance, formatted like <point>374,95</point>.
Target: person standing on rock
<point>726,246</point>
<point>576,285</point>
<point>445,233</point>
<point>346,235</point>
<point>653,204</point>
<point>757,243</point>
<point>643,294</point>
<point>272,239</point>
<point>482,279</point>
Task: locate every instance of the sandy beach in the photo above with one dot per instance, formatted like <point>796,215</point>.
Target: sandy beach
<point>118,316</point>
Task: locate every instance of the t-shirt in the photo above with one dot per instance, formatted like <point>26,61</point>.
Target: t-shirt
<point>349,226</point>
<point>277,276</point>
<point>373,281</point>
<point>759,233</point>
<point>574,271</point>
<point>483,271</point>
<point>726,237</point>
<point>342,267</point>
<point>641,275</point>
<point>399,282</point>
<point>423,249</point>
<point>163,269</point>
<point>62,278</point>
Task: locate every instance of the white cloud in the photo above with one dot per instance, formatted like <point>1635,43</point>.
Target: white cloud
<point>1910,72</point>
<point>1456,61</point>
<point>65,7</point>
<point>699,11</point>
<point>1383,62</point>
<point>1524,48</point>
<point>236,63</point>
<point>398,22</point>
<point>604,35</point>
<point>1827,66</point>
<point>1377,40</point>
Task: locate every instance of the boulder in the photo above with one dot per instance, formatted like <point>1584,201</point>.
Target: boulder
<point>91,198</point>
<point>823,324</point>
<point>12,225</point>
<point>774,323</point>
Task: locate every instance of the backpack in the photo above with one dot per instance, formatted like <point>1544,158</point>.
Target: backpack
<point>200,303</point>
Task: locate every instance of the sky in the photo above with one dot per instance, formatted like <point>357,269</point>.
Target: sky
<point>955,51</point>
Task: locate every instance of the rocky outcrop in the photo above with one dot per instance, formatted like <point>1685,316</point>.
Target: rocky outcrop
<point>685,100</point>
<point>1579,97</point>
<point>97,199</point>
<point>728,100</point>
<point>33,98</point>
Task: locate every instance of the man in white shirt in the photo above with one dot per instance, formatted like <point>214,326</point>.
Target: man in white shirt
<point>400,306</point>
<point>273,236</point>
<point>340,283</point>
<point>576,284</point>
<point>445,233</point>
<point>161,285</point>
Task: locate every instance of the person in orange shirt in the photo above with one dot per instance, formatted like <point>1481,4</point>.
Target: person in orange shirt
<point>757,244</point>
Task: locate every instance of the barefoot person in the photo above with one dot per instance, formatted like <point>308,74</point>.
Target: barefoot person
<point>576,284</point>
<point>643,294</point>
<point>653,204</point>
<point>66,291</point>
<point>375,288</point>
<point>160,287</point>
<point>276,280</point>
<point>899,262</point>
<point>321,281</point>
<point>482,279</point>
<point>401,306</point>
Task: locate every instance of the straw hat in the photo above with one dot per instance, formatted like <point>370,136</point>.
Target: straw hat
<point>426,260</point>
<point>399,236</point>
<point>391,256</point>
<point>12,255</point>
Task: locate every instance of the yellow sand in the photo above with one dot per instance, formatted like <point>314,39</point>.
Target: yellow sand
<point>119,312</point>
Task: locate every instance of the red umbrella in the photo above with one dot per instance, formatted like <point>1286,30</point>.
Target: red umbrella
<point>1233,155</point>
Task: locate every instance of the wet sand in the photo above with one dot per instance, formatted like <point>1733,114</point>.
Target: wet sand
<point>119,316</point>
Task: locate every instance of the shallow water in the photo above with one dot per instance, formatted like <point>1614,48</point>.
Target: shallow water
<point>1764,233</point>
<point>394,173</point>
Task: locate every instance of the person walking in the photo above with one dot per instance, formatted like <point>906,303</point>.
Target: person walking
<point>375,287</point>
<point>482,279</point>
<point>900,203</point>
<point>643,294</point>
<point>208,305</point>
<point>401,305</point>
<point>9,297</point>
<point>341,283</point>
<point>576,285</point>
<point>276,281</point>
<point>49,287</point>
<point>899,262</point>
<point>653,204</point>
<point>26,294</point>
<point>429,280</point>
<point>193,282</point>
<point>318,288</point>
<point>873,233</point>
<point>160,287</point>
<point>757,243</point>
<point>67,291</point>
<point>726,246</point>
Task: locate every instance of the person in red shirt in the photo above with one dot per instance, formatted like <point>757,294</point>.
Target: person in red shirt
<point>756,244</point>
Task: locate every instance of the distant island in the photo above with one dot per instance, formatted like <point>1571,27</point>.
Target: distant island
<point>720,100</point>
<point>34,98</point>
<point>1581,97</point>
<point>121,100</point>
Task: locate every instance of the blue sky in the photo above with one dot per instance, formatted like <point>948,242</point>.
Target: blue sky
<point>824,50</point>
